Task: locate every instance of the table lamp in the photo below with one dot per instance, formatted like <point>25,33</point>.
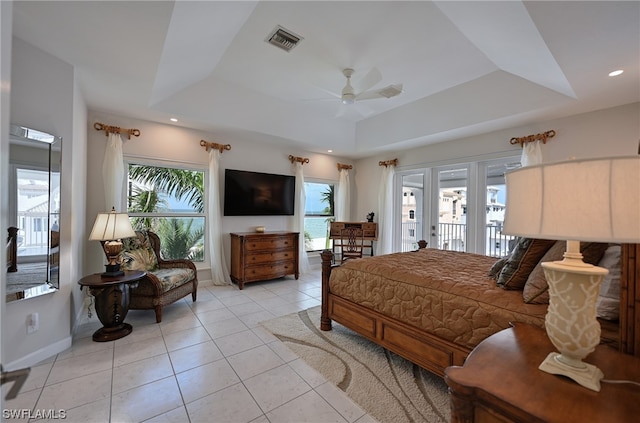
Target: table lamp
<point>109,229</point>
<point>594,200</point>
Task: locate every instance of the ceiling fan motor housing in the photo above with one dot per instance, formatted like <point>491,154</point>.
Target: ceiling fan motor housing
<point>348,95</point>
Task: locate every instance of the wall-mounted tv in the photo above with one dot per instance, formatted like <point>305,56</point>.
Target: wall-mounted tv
<point>258,194</point>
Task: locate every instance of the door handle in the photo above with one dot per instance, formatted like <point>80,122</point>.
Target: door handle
<point>19,377</point>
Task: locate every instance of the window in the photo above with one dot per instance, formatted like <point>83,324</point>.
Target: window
<point>319,213</point>
<point>169,201</point>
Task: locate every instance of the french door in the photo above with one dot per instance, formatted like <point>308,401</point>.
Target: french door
<point>457,207</point>
<point>450,204</point>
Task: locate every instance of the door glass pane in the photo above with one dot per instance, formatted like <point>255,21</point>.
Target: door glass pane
<point>412,210</point>
<point>496,243</point>
<point>452,209</point>
<point>318,215</point>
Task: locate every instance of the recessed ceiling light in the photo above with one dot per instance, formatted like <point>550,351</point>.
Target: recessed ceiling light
<point>616,72</point>
<point>329,151</point>
<point>173,120</point>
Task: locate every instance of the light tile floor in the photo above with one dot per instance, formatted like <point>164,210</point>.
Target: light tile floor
<point>208,361</point>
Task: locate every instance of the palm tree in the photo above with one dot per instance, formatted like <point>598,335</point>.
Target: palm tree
<point>179,183</point>
<point>327,197</point>
<point>144,201</point>
<point>179,239</point>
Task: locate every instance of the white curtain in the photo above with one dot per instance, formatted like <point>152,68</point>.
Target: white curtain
<point>343,194</point>
<point>298,219</point>
<point>113,173</point>
<point>219,270</point>
<point>531,154</point>
<point>385,212</point>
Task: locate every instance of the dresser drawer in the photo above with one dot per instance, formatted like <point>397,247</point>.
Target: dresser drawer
<point>255,258</point>
<point>269,271</point>
<point>271,243</point>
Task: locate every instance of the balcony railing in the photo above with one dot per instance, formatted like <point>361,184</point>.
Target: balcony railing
<point>453,236</point>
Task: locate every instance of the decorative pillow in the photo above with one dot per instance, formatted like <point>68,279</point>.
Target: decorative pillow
<point>497,267</point>
<point>526,254</point>
<point>137,253</point>
<point>608,304</point>
<point>536,290</point>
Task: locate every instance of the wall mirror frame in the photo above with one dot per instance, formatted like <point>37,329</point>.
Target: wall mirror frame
<point>34,214</point>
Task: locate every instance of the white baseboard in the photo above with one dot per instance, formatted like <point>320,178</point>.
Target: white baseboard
<point>42,354</point>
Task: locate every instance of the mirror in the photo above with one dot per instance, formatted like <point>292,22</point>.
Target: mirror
<point>33,239</point>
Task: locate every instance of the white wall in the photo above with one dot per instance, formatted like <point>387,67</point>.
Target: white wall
<point>182,145</point>
<point>44,96</point>
<point>609,132</point>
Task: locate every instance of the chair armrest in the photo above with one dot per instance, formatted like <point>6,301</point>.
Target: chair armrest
<point>178,263</point>
<point>155,283</point>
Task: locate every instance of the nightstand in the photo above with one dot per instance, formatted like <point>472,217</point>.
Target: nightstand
<point>500,382</point>
<point>112,302</point>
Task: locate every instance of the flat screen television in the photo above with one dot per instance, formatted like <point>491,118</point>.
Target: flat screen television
<point>258,194</point>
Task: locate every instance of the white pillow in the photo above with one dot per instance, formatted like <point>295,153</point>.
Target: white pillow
<point>608,304</point>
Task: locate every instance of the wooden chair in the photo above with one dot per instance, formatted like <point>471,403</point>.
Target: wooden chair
<point>167,281</point>
<point>351,243</point>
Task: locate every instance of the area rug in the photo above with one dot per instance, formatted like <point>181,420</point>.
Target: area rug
<point>388,387</point>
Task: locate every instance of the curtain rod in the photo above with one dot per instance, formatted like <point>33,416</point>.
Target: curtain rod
<point>302,160</point>
<point>537,137</point>
<point>116,130</point>
<point>214,145</point>
<point>393,162</point>
<point>344,166</point>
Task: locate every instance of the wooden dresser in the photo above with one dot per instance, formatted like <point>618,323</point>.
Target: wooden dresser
<point>500,382</point>
<point>263,256</point>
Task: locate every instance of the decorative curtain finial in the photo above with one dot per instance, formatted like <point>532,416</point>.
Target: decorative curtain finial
<point>294,159</point>
<point>385,163</point>
<point>544,136</point>
<point>214,145</point>
<point>116,130</point>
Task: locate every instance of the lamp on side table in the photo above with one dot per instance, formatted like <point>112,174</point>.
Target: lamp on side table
<point>109,229</point>
<point>579,200</point>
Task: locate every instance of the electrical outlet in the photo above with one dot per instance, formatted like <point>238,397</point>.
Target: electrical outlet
<point>33,323</point>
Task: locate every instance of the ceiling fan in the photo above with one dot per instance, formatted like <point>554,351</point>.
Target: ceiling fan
<point>349,95</point>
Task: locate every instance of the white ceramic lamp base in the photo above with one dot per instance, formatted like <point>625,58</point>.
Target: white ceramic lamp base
<point>586,374</point>
<point>571,322</point>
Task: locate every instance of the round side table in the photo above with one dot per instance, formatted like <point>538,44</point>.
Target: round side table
<point>112,302</point>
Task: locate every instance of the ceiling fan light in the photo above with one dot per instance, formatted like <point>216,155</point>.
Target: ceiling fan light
<point>348,98</point>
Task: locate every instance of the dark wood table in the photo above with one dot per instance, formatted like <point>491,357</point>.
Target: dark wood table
<point>112,302</point>
<point>500,382</point>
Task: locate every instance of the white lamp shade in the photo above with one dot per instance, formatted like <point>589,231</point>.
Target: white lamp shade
<point>594,200</point>
<point>111,226</point>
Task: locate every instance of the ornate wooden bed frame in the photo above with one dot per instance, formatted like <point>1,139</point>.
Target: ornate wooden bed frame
<point>436,354</point>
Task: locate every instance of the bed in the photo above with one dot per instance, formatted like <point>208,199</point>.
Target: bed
<point>433,307</point>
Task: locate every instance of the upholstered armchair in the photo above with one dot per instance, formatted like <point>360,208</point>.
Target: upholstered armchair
<point>166,282</point>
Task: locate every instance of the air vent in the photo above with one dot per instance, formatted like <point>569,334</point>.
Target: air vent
<point>283,38</point>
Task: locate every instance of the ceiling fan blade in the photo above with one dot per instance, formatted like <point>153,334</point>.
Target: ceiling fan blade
<point>369,95</point>
<point>386,92</point>
<point>369,80</point>
<point>331,93</point>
